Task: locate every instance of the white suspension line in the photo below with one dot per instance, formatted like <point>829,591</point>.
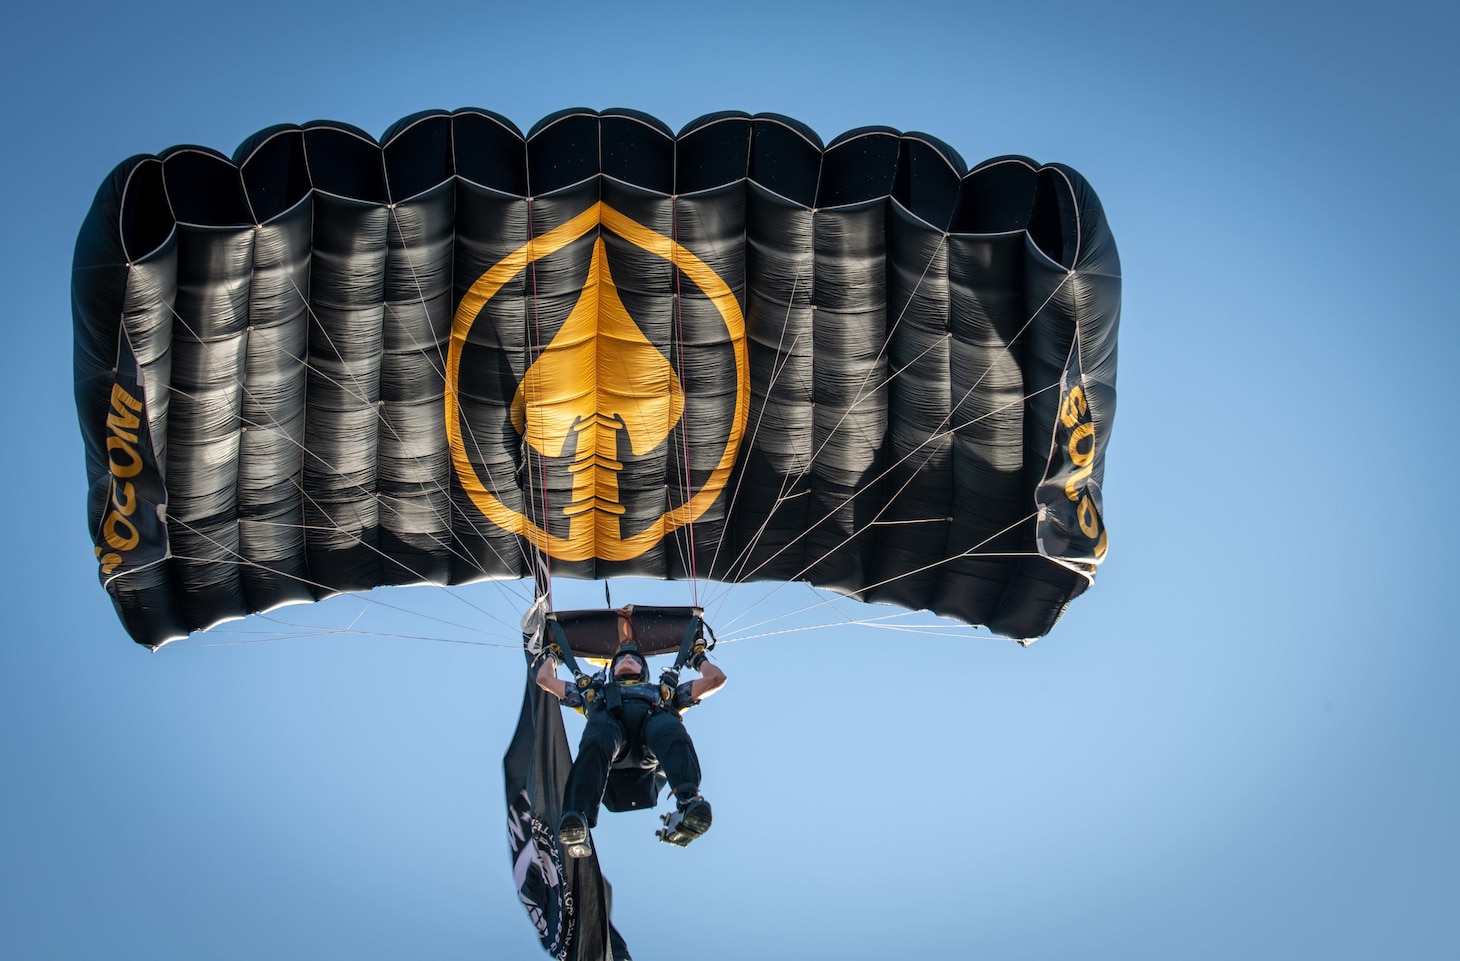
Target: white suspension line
<point>939,435</point>
<point>789,480</point>
<point>970,552</point>
<point>941,432</point>
<point>468,431</point>
<point>333,527</point>
<point>380,418</point>
<point>238,560</point>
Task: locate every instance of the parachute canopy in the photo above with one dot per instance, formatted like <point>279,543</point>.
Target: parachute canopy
<point>600,349</point>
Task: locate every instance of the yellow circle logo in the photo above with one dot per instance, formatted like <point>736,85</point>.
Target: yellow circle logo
<point>598,381</point>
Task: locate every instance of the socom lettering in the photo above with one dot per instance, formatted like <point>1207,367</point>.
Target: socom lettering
<point>1075,416</point>
<point>125,461</point>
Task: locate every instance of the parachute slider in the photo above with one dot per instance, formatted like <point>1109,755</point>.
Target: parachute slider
<point>595,633</point>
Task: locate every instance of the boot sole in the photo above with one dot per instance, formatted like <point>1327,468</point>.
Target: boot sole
<point>682,827</point>
<point>573,836</point>
<point>697,819</point>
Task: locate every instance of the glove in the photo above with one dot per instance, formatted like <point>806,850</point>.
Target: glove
<point>697,659</point>
<point>668,681</point>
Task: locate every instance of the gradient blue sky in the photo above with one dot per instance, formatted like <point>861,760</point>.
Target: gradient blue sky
<point>1243,743</point>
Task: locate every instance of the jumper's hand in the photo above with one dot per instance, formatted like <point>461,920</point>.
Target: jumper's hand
<point>711,679</point>
<point>548,680</point>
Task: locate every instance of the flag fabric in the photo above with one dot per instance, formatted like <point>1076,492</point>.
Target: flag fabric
<point>567,899</point>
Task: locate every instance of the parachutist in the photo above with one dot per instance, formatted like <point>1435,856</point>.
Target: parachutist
<point>633,743</point>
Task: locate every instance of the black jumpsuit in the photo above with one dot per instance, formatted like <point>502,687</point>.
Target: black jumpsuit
<point>637,733</point>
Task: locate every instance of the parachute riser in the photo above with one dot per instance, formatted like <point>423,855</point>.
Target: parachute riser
<point>557,646</point>
<point>693,648</point>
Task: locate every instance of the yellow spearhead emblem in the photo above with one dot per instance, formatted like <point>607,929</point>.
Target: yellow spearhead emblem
<point>599,377</point>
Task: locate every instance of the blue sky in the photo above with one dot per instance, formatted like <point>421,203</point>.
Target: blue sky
<point>1241,743</point>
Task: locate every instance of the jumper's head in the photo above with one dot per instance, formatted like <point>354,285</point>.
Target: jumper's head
<point>629,664</point>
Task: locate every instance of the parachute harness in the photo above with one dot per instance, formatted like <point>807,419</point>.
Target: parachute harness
<point>692,651</point>
<point>699,639</point>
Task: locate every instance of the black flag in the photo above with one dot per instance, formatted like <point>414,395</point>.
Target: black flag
<point>566,898</point>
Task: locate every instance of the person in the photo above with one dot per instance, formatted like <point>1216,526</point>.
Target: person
<point>634,730</point>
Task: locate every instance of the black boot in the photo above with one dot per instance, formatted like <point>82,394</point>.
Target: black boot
<point>573,835</point>
<point>692,819</point>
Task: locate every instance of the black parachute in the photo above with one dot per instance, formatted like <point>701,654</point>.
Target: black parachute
<point>601,349</point>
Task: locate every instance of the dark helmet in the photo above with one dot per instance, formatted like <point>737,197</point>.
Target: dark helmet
<point>629,650</point>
